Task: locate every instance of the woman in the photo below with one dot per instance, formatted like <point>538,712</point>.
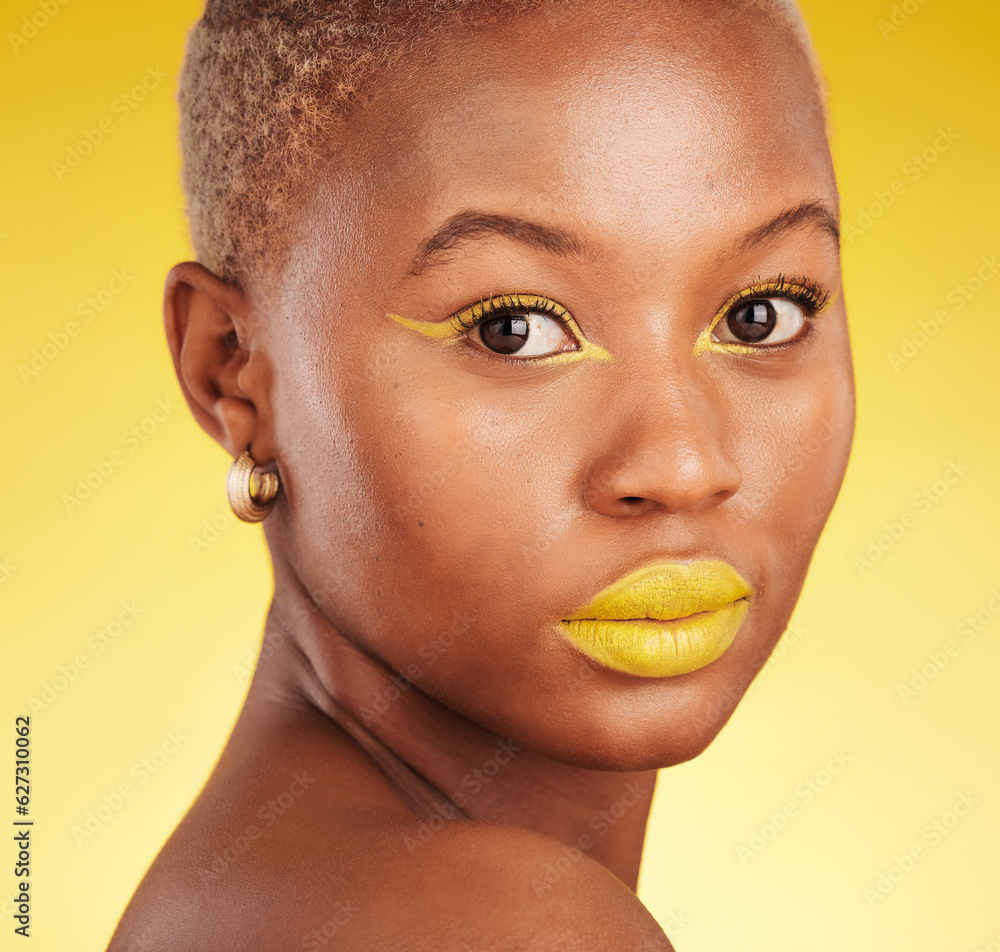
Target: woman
<point>523,324</point>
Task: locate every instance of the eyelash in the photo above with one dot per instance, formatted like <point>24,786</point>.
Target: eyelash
<point>812,297</point>
<point>505,304</point>
<point>510,303</point>
<point>809,295</point>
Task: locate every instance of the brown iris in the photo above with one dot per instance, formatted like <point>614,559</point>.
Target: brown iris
<point>505,335</point>
<point>753,321</point>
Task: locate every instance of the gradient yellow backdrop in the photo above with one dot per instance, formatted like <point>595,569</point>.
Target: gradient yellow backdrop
<point>133,617</point>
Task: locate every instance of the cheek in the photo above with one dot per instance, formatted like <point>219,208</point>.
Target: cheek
<point>469,484</point>
<point>795,439</point>
<point>431,507</point>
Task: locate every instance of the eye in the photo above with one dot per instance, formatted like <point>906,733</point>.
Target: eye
<point>766,314</point>
<point>523,335</point>
<point>520,326</point>
<point>516,328</point>
<point>760,321</point>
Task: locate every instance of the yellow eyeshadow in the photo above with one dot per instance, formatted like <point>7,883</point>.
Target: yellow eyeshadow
<point>454,329</point>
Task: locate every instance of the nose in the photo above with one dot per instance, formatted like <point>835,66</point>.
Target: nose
<point>664,447</point>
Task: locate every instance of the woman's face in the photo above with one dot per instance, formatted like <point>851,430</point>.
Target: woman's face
<point>453,494</point>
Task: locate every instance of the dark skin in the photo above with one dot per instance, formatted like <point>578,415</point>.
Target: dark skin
<point>442,509</point>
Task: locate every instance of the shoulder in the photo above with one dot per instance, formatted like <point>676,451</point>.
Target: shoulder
<point>403,884</point>
<point>274,855</point>
<point>476,883</point>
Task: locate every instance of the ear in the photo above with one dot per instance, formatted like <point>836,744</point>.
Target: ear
<point>223,377</point>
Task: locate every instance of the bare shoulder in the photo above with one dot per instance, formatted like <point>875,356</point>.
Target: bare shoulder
<point>299,842</point>
<point>387,883</point>
<point>480,887</point>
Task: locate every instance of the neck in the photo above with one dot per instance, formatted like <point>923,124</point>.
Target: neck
<point>486,776</point>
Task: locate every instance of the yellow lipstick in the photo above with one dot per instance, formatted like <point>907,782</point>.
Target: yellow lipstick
<point>663,619</point>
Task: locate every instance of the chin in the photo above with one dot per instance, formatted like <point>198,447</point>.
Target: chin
<point>653,754</point>
<point>632,731</point>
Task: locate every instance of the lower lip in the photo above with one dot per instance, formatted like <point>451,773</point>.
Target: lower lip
<point>658,649</point>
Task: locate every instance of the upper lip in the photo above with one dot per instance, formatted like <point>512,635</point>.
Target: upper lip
<point>667,590</point>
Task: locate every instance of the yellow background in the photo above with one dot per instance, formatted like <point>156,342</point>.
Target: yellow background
<point>859,630</point>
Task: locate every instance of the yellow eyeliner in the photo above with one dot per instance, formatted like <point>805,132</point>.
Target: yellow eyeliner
<point>443,331</point>
<point>454,329</point>
<point>780,288</point>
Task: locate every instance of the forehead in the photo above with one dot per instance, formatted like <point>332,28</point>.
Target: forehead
<point>656,121</point>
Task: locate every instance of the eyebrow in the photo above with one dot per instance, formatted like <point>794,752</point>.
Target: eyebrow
<point>472,225</point>
<point>807,215</point>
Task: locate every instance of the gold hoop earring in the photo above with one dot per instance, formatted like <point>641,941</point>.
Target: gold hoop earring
<point>246,504</point>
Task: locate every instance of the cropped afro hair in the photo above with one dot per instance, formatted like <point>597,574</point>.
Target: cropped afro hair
<point>265,85</point>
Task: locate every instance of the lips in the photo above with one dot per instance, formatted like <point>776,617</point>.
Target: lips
<point>663,619</point>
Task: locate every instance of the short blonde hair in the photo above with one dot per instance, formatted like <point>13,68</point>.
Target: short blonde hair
<point>266,83</point>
